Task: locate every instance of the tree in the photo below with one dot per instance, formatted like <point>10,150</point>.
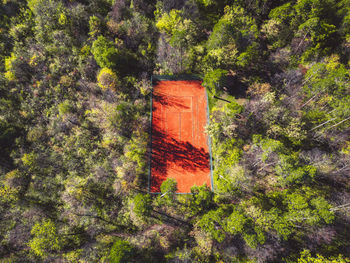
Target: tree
<point>306,257</point>
<point>168,22</point>
<point>305,208</point>
<point>212,223</point>
<point>45,238</point>
<point>206,2</point>
<point>169,186</point>
<point>8,197</point>
<point>232,42</point>
<point>73,153</point>
<point>142,205</point>
<point>239,223</point>
<point>104,53</point>
<point>64,107</point>
<point>50,17</point>
<point>95,26</point>
<point>278,29</point>
<point>290,171</point>
<point>107,79</point>
<point>121,252</point>
<point>214,81</point>
<point>181,33</point>
<point>181,30</point>
<point>230,178</point>
<point>168,189</point>
<point>236,222</point>
<point>316,26</point>
<point>326,95</point>
<point>202,198</point>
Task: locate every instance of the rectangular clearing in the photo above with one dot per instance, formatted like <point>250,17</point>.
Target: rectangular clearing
<point>180,147</point>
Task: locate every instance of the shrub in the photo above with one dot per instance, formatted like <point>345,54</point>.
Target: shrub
<point>64,107</point>
<point>104,52</point>
<point>45,238</point>
<point>142,205</point>
<point>214,80</point>
<point>121,252</point>
<point>107,79</point>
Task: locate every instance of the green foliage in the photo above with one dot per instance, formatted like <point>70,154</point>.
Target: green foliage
<point>34,4</point>
<point>229,177</point>
<point>319,33</point>
<point>234,26</point>
<point>45,238</point>
<point>326,89</point>
<point>62,20</point>
<point>180,30</point>
<point>184,34</point>
<point>236,222</point>
<point>268,146</point>
<point>306,9</point>
<point>323,209</point>
<point>344,8</point>
<point>221,126</point>
<point>9,74</point>
<point>247,57</point>
<point>277,28</point>
<point>107,79</point>
<point>94,26</point>
<point>135,151</point>
<point>142,205</point>
<point>206,2</point>
<point>214,80</point>
<point>307,208</point>
<point>168,190</point>
<point>104,52</point>
<point>50,17</point>
<point>8,195</point>
<point>306,257</point>
<point>169,186</point>
<point>168,22</point>
<point>212,223</point>
<point>232,40</point>
<point>289,171</point>
<point>279,223</point>
<point>280,121</point>
<point>121,252</point>
<point>282,13</point>
<point>227,154</point>
<point>285,212</point>
<point>239,223</point>
<point>64,107</point>
<point>28,159</point>
<point>181,33</point>
<point>202,198</point>
<point>317,23</point>
<point>77,153</point>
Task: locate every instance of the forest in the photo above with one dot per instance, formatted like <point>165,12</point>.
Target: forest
<point>75,87</point>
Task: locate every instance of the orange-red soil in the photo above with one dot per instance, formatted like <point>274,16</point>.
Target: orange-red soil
<point>179,145</point>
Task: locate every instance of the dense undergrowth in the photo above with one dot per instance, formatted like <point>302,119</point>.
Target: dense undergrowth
<point>74,130</point>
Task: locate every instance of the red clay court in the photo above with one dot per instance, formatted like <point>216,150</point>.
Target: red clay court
<point>179,144</point>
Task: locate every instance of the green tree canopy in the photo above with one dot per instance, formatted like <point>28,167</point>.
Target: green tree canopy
<point>142,205</point>
<point>214,80</point>
<point>45,238</point>
<point>232,42</point>
<point>104,52</point>
<point>121,252</point>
